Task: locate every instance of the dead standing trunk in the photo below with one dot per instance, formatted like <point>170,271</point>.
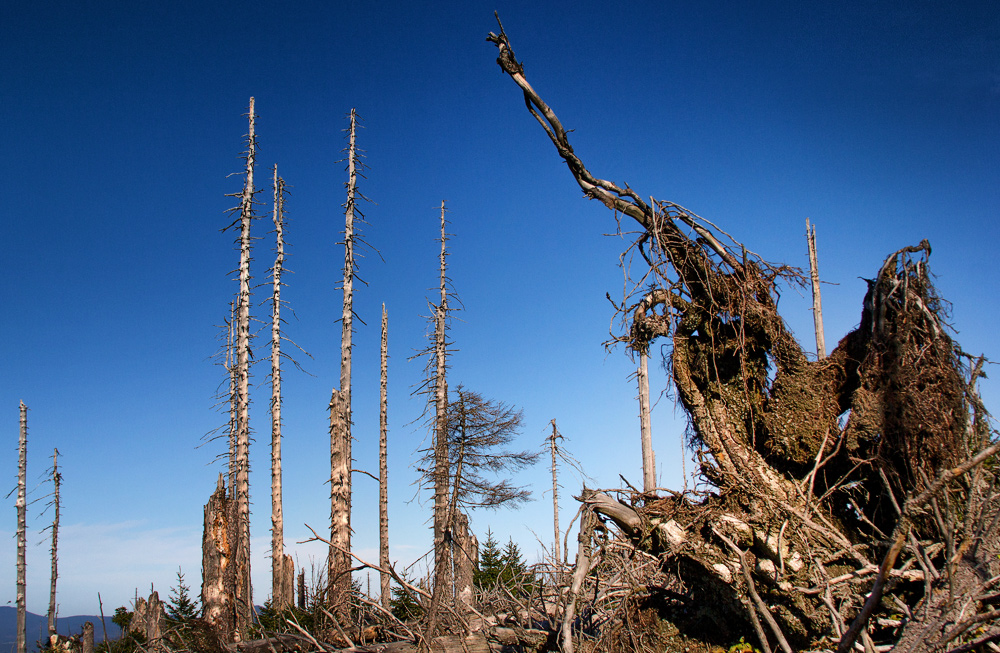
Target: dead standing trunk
<point>217,584</point>
<point>817,300</point>
<point>241,560</point>
<point>646,430</point>
<point>22,541</point>
<point>383,467</point>
<point>54,575</point>
<point>556,533</point>
<point>339,561</point>
<point>281,594</point>
<point>442,559</point>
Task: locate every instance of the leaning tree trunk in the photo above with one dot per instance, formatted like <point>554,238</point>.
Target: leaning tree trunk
<point>56,481</point>
<point>383,467</point>
<point>22,540</point>
<point>813,464</point>
<point>339,561</point>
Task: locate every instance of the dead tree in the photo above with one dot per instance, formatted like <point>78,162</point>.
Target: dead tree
<point>217,579</point>
<point>383,466</point>
<point>817,298</point>
<point>54,550</point>
<point>843,492</point>
<point>240,489</point>
<point>282,567</point>
<point>439,386</point>
<point>645,425</point>
<point>556,552</point>
<point>22,530</point>
<point>339,561</point>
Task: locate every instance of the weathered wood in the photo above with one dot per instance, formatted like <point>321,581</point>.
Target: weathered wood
<point>339,561</point>
<point>383,467</point>
<point>242,599</point>
<point>149,619</point>
<point>22,541</point>
<point>54,575</point>
<point>466,555</point>
<point>556,552</point>
<point>645,426</point>
<point>88,637</point>
<point>281,595</point>
<point>817,300</point>
<point>216,558</point>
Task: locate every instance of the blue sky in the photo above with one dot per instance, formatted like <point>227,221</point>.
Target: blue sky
<point>121,121</point>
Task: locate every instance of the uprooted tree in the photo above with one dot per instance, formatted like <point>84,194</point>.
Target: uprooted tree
<point>852,499</point>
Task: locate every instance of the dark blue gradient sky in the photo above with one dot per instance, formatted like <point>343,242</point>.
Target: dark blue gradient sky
<point>122,120</point>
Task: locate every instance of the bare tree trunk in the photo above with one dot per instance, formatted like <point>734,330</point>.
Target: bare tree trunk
<point>466,561</point>
<point>22,542</point>
<point>56,480</point>
<point>442,561</point>
<point>383,466</point>
<point>442,593</point>
<point>217,583</point>
<point>817,302</point>
<point>231,370</point>
<point>244,595</point>
<point>340,501</point>
<point>302,589</point>
<point>279,597</point>
<point>338,576</point>
<point>556,553</point>
<point>88,637</point>
<point>648,455</point>
<point>582,568</point>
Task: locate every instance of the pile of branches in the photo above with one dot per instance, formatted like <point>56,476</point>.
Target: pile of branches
<point>851,501</point>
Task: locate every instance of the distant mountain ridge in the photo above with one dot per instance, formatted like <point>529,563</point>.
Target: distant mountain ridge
<point>37,628</point>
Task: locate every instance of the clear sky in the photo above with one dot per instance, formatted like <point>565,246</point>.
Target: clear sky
<point>123,120</point>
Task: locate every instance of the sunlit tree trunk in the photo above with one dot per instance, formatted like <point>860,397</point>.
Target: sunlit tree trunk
<point>648,456</point>
<point>383,465</point>
<point>817,301</point>
<point>243,598</point>
<point>340,425</point>
<point>22,541</point>
<point>56,481</point>
<point>556,551</point>
<point>280,597</point>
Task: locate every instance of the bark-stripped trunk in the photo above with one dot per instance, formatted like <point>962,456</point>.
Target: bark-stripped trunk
<point>443,590</point>
<point>22,541</point>
<point>556,551</point>
<point>383,466</point>
<point>244,597</point>
<point>231,370</point>
<point>817,301</point>
<point>339,561</point>
<point>466,553</point>
<point>280,594</point>
<point>56,481</point>
<point>217,581</point>
<point>648,456</point>
<point>442,561</point>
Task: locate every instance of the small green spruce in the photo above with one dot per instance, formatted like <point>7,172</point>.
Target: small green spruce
<point>181,608</point>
